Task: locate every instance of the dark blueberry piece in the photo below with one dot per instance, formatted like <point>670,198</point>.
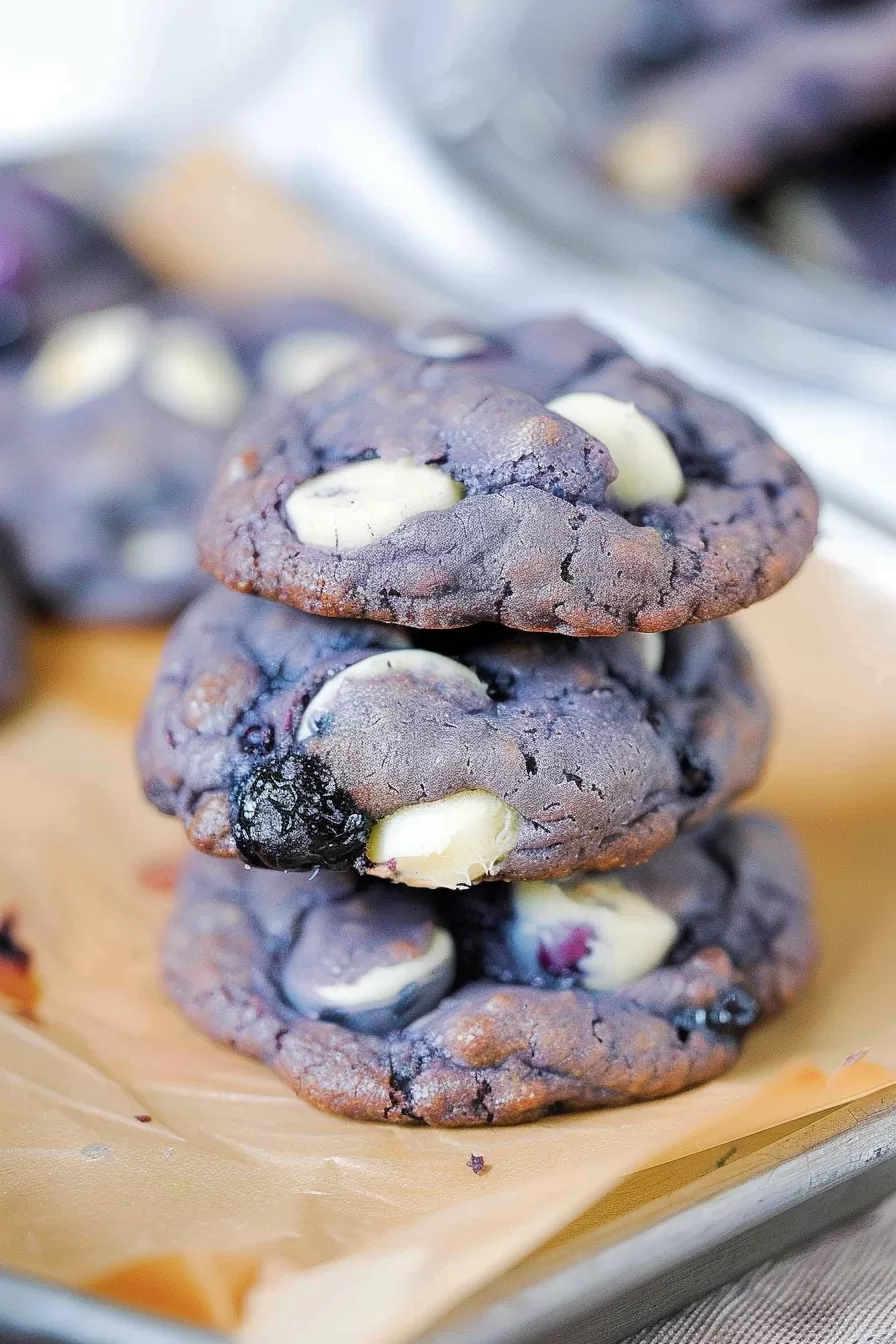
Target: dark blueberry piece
<point>695,780</point>
<point>258,738</point>
<point>11,950</point>
<point>733,1013</point>
<point>498,685</point>
<point>291,813</point>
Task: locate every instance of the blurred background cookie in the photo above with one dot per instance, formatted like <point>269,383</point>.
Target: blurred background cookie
<point>55,263</point>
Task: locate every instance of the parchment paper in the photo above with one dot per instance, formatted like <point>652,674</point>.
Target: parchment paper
<point>351,1231</point>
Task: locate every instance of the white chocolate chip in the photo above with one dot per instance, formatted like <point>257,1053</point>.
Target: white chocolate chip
<point>651,648</point>
<point>192,374</point>
<point>417,663</point>
<point>294,364</point>
<point>87,358</point>
<point>645,461</point>
<point>450,843</point>
<point>158,554</point>
<point>631,935</point>
<point>352,506</point>
<point>442,340</point>
<point>383,984</point>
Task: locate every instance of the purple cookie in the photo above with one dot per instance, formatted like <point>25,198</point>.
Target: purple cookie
<point>339,983</point>
<point>540,478</point>
<point>109,439</point>
<point>295,741</point>
<point>54,263</point>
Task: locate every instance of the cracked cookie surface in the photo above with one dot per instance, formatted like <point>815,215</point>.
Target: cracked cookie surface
<point>317,505</point>
<point>499,1052</point>
<point>295,741</point>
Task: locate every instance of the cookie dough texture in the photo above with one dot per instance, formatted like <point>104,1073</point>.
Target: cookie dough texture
<point>250,741</point>
<point>496,1051</point>
<point>538,540</point>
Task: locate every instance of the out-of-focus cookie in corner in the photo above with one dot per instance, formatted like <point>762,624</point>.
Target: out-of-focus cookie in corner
<point>55,263</point>
<point>109,439</point>
<point>439,760</point>
<point>504,1004</point>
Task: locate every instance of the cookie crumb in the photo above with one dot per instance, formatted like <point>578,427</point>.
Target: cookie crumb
<point>854,1058</point>
<point>144,1119</point>
<point>477,1164</point>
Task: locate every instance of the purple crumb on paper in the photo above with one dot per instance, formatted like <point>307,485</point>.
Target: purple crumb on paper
<point>477,1164</point>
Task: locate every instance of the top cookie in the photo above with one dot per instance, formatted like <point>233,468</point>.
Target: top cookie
<point>540,478</point>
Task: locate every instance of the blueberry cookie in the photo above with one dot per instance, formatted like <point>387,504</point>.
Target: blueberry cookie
<point>560,996</point>
<point>428,490</point>
<point>720,96</point>
<point>438,760</point>
<point>54,264</point>
<point>109,439</point>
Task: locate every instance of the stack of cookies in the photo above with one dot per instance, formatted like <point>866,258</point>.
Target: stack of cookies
<point>455,735</point>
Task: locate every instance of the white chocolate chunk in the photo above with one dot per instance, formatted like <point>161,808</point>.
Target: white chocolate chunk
<point>352,506</point>
<point>651,649</point>
<point>631,935</point>
<point>294,364</point>
<point>383,984</point>
<point>647,466</point>
<point>158,554</point>
<point>87,358</point>
<point>449,843</point>
<point>192,374</point>
<point>417,663</point>
<point>442,340</point>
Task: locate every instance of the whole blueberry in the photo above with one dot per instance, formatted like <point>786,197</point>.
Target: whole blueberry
<point>291,813</point>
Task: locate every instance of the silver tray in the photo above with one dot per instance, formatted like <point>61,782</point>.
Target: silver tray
<point>599,1298</point>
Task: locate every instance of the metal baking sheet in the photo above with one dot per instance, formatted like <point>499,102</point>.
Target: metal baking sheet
<point>599,1299</point>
